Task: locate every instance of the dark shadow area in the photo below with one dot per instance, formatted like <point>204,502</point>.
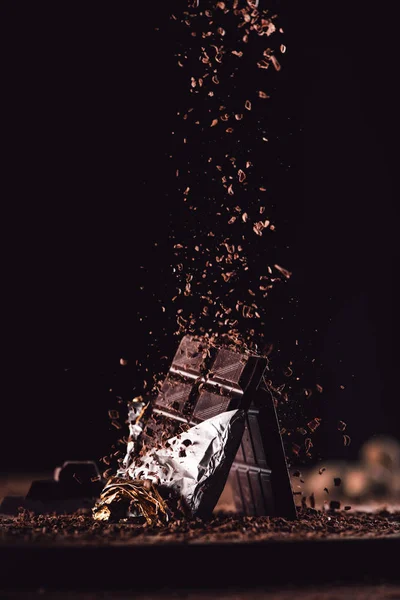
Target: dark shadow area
<point>91,94</point>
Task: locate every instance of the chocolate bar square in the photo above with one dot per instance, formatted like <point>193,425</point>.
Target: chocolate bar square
<point>174,395</point>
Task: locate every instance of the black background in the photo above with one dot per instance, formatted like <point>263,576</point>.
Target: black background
<point>89,98</point>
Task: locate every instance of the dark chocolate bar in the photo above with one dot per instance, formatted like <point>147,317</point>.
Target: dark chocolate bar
<point>204,381</point>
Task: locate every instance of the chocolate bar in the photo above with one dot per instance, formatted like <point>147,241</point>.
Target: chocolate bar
<point>205,381</point>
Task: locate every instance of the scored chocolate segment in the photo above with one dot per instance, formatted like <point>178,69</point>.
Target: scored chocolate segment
<point>254,427</point>
<point>228,368</point>
<point>247,447</point>
<point>210,404</point>
<point>245,492</point>
<point>189,360</point>
<point>174,395</point>
<point>268,494</point>
<point>257,492</point>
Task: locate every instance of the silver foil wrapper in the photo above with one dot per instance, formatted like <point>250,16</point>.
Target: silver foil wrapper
<point>135,429</point>
<point>195,465</point>
<point>138,500</point>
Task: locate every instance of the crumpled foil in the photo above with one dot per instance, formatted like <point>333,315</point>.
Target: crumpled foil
<point>135,414</point>
<point>195,464</point>
<point>122,498</point>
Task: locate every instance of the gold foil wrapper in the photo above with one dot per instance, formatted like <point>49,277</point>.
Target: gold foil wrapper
<point>123,498</point>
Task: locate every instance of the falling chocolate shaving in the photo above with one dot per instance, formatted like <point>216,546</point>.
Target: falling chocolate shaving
<point>296,448</point>
<point>284,272</point>
<point>314,424</point>
<point>276,63</point>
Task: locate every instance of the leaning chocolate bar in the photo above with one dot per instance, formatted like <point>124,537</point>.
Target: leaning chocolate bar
<point>205,381</point>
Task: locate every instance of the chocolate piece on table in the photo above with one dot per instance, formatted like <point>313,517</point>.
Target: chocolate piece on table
<point>204,381</point>
<point>75,485</point>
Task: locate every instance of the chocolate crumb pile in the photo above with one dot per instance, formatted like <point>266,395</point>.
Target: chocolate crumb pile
<point>81,529</point>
